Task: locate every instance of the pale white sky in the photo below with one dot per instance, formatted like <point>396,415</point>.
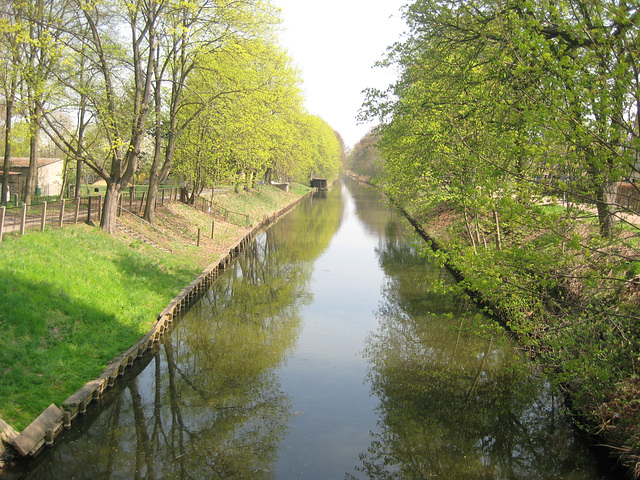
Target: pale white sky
<point>335,44</point>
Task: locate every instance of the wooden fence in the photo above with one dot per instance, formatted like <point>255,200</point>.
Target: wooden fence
<point>72,211</point>
<point>230,216</point>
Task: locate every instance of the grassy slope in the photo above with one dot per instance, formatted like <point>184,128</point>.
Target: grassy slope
<point>74,298</point>
<point>573,309</point>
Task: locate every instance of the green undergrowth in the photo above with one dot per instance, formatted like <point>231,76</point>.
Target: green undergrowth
<point>74,298</point>
<point>572,297</point>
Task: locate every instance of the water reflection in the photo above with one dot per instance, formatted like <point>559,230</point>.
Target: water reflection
<point>323,353</point>
<point>454,404</point>
<point>209,404</point>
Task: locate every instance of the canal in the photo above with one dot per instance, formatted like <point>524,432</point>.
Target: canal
<point>330,349</point>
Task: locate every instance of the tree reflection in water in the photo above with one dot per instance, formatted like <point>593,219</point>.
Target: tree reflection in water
<point>454,404</point>
<point>209,404</point>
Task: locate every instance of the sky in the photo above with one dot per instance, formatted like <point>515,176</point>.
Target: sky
<point>335,44</point>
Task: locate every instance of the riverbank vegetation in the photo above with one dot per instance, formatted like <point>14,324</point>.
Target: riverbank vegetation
<point>76,297</point>
<point>512,137</point>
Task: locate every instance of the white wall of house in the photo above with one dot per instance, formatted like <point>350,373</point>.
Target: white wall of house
<point>50,178</point>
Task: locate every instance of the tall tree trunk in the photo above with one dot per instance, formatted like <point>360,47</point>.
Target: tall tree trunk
<point>110,207</point>
<point>34,157</point>
<point>154,174</point>
<point>7,151</point>
<point>78,178</point>
<point>605,203</point>
<point>65,168</point>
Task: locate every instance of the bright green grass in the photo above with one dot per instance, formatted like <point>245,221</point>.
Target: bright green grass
<point>72,299</point>
<point>259,202</point>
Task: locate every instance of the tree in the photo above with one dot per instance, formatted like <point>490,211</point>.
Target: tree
<point>251,96</point>
<point>365,158</point>
<point>516,93</point>
<point>193,32</point>
<point>10,29</point>
<point>120,102</point>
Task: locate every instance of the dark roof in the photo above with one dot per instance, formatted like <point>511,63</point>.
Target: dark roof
<point>24,161</point>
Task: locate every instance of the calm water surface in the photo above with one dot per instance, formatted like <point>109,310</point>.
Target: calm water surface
<point>324,352</point>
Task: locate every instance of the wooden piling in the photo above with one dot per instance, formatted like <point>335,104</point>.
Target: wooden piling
<point>2,209</point>
<point>75,221</point>
<point>23,219</point>
<point>61,219</point>
<point>66,419</point>
<point>43,219</point>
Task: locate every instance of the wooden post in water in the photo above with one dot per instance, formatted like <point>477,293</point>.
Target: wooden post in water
<point>2,209</point>
<point>24,218</point>
<point>61,213</point>
<point>44,216</point>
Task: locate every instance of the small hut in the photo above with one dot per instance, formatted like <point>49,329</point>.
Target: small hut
<point>319,183</point>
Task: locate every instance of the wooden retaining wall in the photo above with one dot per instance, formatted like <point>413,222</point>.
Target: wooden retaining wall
<point>50,423</point>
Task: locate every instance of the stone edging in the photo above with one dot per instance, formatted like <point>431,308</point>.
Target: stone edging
<point>49,424</point>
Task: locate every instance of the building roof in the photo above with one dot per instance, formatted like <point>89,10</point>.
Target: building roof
<point>24,161</point>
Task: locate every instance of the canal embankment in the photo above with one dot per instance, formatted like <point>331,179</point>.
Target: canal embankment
<point>85,305</point>
<point>569,295</point>
<point>574,320</point>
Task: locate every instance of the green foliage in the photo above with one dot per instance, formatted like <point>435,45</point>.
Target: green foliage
<point>248,119</point>
<point>514,122</point>
<point>365,159</point>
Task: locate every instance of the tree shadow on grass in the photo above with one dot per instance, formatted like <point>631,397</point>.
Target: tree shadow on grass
<point>153,275</point>
<point>52,344</point>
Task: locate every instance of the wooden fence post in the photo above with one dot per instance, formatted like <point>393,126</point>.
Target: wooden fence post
<point>141,202</point>
<point>61,220</point>
<point>89,211</point>
<point>131,194</point>
<point>99,208</point>
<point>44,216</point>
<point>24,218</point>
<point>163,190</point>
<point>198,244</point>
<point>120,204</point>
<point>77,211</point>
<point>2,209</point>
<point>213,226</point>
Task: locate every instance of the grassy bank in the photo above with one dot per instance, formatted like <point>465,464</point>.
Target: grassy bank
<point>74,298</point>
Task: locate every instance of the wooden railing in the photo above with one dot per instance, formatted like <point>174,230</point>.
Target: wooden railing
<point>18,219</point>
